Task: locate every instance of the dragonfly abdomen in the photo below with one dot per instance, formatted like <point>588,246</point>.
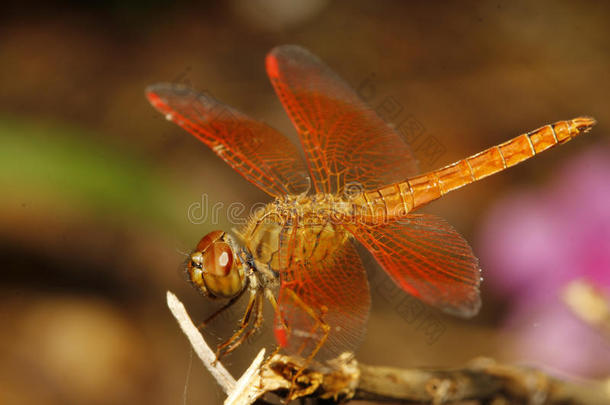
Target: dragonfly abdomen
<point>397,200</point>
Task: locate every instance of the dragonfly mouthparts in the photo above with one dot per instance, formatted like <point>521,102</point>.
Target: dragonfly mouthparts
<point>584,124</point>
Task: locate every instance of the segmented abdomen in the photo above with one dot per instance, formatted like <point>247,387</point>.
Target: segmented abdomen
<point>396,200</point>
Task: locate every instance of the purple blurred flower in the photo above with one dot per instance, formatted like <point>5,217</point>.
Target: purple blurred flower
<point>533,243</point>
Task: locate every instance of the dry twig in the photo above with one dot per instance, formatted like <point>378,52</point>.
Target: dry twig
<point>483,381</point>
<point>224,378</point>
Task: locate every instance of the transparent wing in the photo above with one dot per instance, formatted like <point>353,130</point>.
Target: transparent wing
<point>345,141</point>
<point>258,152</point>
<point>427,258</point>
<point>333,291</point>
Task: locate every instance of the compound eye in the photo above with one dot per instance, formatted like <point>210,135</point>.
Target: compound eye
<point>218,259</point>
<point>214,269</point>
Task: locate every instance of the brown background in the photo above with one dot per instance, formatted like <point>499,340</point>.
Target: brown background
<point>96,185</point>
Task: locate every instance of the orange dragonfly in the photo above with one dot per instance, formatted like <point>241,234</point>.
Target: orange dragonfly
<point>299,251</point>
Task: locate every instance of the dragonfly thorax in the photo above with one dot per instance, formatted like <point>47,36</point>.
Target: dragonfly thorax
<point>306,227</point>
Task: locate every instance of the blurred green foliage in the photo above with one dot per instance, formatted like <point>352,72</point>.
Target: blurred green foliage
<point>48,161</point>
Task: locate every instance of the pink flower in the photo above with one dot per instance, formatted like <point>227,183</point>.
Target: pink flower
<point>533,243</point>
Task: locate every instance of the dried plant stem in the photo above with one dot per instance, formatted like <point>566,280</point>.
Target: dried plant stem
<point>224,378</point>
<point>483,381</point>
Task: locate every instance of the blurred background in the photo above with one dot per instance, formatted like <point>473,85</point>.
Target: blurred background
<point>96,186</point>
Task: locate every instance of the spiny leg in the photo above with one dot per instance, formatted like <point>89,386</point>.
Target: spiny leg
<point>319,322</point>
<point>313,329</point>
<point>271,298</point>
<point>220,310</point>
<point>242,326</point>
<point>257,321</point>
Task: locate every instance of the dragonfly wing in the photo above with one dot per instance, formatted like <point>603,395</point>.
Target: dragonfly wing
<point>258,152</point>
<point>427,258</point>
<point>334,291</point>
<point>346,143</point>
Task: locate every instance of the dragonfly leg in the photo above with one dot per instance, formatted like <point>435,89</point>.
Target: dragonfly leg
<point>256,324</point>
<point>276,310</point>
<point>220,310</point>
<point>271,298</point>
<point>319,323</point>
<point>242,326</point>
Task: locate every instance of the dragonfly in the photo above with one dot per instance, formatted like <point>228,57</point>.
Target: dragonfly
<point>358,183</point>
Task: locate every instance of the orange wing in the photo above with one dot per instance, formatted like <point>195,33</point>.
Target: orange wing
<point>258,152</point>
<point>345,141</point>
<point>334,291</point>
<point>427,258</point>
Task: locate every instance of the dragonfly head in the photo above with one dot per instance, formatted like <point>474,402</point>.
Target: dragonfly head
<point>214,267</point>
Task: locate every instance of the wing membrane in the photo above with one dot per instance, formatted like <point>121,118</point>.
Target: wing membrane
<point>345,141</point>
<point>427,258</point>
<point>334,290</point>
<point>258,152</point>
